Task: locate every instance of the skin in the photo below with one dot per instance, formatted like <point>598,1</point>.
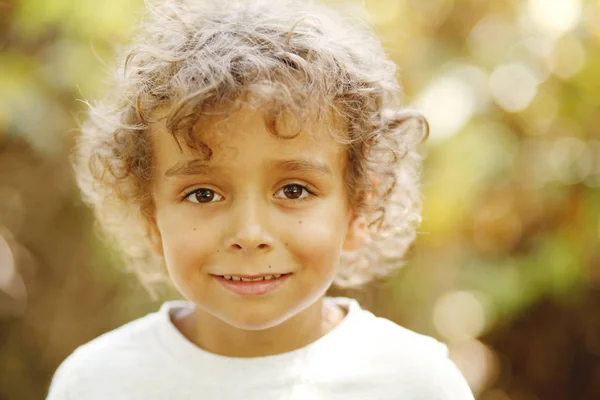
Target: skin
<point>244,212</point>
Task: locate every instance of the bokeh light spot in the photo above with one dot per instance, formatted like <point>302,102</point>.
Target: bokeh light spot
<point>513,86</point>
<point>593,178</point>
<point>568,57</point>
<point>459,316</point>
<point>448,103</point>
<point>477,362</point>
<point>570,160</point>
<point>384,12</point>
<point>7,265</point>
<point>555,16</point>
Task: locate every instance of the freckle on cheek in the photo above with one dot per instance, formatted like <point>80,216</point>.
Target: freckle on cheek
<point>299,222</point>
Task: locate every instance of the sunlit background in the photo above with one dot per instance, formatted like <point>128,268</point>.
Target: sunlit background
<point>506,268</point>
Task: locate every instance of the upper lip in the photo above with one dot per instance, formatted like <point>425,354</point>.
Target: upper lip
<point>254,276</point>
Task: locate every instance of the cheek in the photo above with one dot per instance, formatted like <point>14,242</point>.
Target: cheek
<point>187,243</point>
<point>317,240</point>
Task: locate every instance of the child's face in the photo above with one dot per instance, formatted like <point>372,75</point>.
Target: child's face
<point>250,211</point>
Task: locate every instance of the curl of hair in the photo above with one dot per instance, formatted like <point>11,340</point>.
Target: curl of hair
<point>197,58</point>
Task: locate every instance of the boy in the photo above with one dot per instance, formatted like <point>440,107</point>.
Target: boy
<point>253,154</point>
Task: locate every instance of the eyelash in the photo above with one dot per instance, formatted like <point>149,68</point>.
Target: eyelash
<point>304,187</point>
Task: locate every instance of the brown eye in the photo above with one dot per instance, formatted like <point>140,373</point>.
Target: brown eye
<point>294,192</point>
<point>204,196</point>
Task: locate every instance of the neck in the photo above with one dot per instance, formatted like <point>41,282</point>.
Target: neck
<point>216,336</point>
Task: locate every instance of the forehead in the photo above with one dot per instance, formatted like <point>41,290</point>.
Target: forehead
<point>244,136</point>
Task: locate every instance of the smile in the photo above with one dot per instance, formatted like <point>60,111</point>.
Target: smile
<point>252,285</point>
<point>254,279</point>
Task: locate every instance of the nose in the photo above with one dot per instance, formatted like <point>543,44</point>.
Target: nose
<point>249,232</point>
<point>250,238</point>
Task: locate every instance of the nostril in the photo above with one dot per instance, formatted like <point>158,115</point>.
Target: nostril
<point>238,246</point>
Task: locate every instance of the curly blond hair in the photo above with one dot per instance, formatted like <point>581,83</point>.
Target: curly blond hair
<point>194,57</point>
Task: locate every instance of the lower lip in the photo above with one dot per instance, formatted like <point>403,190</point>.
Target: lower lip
<point>253,288</point>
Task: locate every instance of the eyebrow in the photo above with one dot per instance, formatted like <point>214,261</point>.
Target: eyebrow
<point>193,167</point>
<point>200,167</point>
<point>302,165</point>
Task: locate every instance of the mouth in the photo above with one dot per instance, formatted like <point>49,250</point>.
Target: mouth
<point>253,278</point>
<point>253,284</point>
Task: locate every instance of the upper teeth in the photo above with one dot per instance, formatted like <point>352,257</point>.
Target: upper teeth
<point>262,278</point>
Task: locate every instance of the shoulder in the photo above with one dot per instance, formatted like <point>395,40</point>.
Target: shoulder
<point>383,334</point>
<point>416,365</point>
<point>126,351</point>
<point>377,335</point>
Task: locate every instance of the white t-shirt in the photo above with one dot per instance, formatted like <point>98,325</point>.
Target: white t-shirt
<point>364,357</point>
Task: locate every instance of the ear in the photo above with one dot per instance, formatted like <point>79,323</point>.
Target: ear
<point>153,236</point>
<point>357,234</point>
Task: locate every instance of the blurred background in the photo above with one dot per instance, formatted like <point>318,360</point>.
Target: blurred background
<point>506,268</point>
